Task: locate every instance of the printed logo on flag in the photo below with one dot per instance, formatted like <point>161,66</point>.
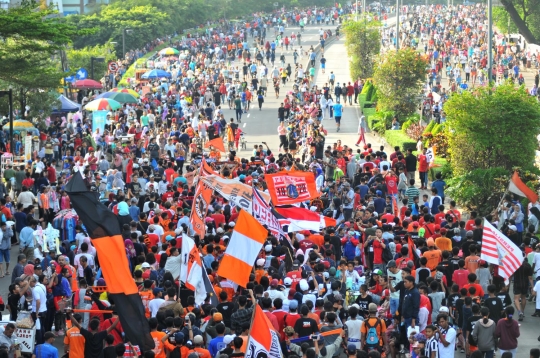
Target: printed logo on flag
<point>257,350</point>
<point>287,187</point>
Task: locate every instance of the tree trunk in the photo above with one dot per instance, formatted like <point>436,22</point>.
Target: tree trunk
<point>518,21</point>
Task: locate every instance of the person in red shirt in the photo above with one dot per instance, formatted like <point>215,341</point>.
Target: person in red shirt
<point>388,216</point>
<point>267,306</point>
<point>423,169</point>
<point>280,315</point>
<point>169,172</point>
<point>460,277</point>
<point>378,247</point>
<point>219,218</point>
<point>296,274</point>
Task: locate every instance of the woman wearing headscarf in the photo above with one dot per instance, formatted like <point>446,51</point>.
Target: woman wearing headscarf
<point>131,253</point>
<point>118,181</point>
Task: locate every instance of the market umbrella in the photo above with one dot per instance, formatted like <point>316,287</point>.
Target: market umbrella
<point>154,74</point>
<point>21,125</point>
<point>103,104</point>
<point>169,51</point>
<point>126,90</point>
<point>87,84</point>
<point>119,97</point>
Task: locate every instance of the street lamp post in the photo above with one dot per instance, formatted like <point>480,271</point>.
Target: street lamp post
<point>10,98</point>
<point>92,60</point>
<point>490,38</point>
<point>124,32</point>
<point>397,24</point>
<point>357,10</point>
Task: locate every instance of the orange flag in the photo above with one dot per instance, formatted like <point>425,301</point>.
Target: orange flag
<point>216,143</point>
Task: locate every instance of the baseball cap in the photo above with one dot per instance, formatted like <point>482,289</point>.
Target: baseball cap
<point>351,349</point>
<point>217,317</point>
<point>157,290</point>
<point>268,248</point>
<point>296,263</point>
<point>228,338</point>
<point>470,233</point>
<point>304,286</point>
<point>372,307</point>
<point>287,281</point>
<point>145,265</point>
<point>232,223</point>
<point>198,339</point>
<point>332,271</point>
<point>260,262</point>
<point>415,224</point>
<point>179,337</point>
<point>510,227</point>
<point>430,242</point>
<point>391,264</point>
<point>377,272</point>
<point>293,304</point>
<point>274,283</point>
<point>444,309</point>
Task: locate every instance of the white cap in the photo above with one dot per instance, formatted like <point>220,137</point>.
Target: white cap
<point>444,309</point>
<point>313,208</point>
<point>304,286</point>
<point>145,265</point>
<point>268,248</point>
<point>287,281</point>
<point>260,262</point>
<point>228,338</point>
<point>232,224</point>
<point>219,230</point>
<point>179,230</point>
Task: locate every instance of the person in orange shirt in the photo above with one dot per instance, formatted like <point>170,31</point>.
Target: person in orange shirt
<point>146,296</point>
<point>471,261</point>
<point>259,271</point>
<point>198,341</point>
<point>443,243</point>
<point>159,346</point>
<point>433,256</point>
<point>74,340</point>
<point>316,238</point>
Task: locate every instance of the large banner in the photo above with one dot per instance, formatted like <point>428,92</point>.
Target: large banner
<point>99,119</point>
<point>291,187</point>
<point>263,213</point>
<point>236,192</point>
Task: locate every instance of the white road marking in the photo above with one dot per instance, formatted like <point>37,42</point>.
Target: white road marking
<point>244,126</point>
<point>249,114</point>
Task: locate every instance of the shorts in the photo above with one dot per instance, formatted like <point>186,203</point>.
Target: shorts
<point>5,255</point>
<point>323,65</point>
<point>338,119</point>
<point>520,290</point>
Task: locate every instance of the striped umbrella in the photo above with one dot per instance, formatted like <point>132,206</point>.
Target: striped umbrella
<point>169,51</point>
<point>126,90</point>
<point>119,97</point>
<point>103,104</point>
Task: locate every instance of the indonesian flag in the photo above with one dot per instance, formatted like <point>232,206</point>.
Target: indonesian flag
<point>246,241</point>
<point>517,186</point>
<point>499,250</point>
<point>191,272</point>
<point>299,219</point>
<point>263,339</point>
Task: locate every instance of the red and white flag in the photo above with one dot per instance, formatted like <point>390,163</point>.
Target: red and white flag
<point>499,250</point>
<point>517,186</point>
<point>263,339</point>
<point>262,211</point>
<point>299,219</point>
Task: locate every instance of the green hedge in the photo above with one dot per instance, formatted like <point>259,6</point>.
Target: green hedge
<point>398,138</point>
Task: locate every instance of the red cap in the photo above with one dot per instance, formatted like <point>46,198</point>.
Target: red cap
<point>306,232</point>
<point>437,227</point>
<point>274,283</point>
<point>347,224</point>
<point>444,230</point>
<point>415,224</point>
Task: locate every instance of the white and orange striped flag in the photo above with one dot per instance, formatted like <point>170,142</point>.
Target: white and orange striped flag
<point>246,241</point>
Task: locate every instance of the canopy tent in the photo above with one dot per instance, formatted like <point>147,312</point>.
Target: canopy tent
<point>68,105</point>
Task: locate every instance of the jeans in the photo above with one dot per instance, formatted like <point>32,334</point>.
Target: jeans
<point>423,179</point>
<point>347,214</point>
<point>394,305</point>
<point>238,114</point>
<point>488,354</point>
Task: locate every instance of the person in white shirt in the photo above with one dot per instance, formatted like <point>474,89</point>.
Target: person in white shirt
<point>77,260</point>
<point>156,303</point>
<point>273,292</point>
<point>39,302</point>
<point>354,324</point>
<point>447,337</point>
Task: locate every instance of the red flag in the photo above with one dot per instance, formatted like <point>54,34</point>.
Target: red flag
<point>517,186</point>
<point>291,187</point>
<point>216,143</point>
<point>394,204</point>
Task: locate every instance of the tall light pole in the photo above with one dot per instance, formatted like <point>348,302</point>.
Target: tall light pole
<point>124,32</point>
<point>397,24</point>
<point>356,10</point>
<point>92,60</point>
<point>490,38</point>
<point>10,98</point>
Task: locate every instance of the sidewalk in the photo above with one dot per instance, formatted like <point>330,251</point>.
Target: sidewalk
<point>337,61</point>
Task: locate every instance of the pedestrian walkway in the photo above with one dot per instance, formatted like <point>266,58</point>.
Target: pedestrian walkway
<point>337,60</point>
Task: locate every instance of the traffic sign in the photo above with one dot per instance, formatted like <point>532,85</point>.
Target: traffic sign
<point>113,66</point>
<point>70,79</point>
<point>81,74</point>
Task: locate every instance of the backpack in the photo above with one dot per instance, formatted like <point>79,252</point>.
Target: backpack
<point>349,250</point>
<point>372,336</point>
<point>387,254</point>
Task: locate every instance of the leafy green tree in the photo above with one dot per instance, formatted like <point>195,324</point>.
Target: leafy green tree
<point>82,58</point>
<point>363,42</point>
<point>492,128</point>
<point>398,77</point>
<point>525,14</point>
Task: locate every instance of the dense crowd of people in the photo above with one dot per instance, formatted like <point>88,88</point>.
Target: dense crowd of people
<point>400,273</point>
